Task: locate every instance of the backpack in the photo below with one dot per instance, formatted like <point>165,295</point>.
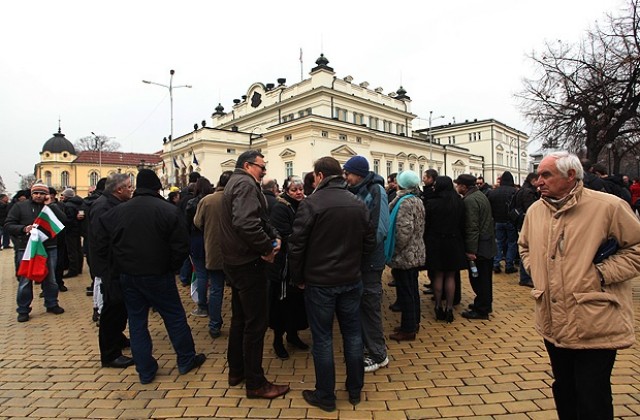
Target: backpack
<point>514,211</point>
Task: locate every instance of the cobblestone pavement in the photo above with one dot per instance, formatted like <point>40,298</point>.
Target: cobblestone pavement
<point>50,367</point>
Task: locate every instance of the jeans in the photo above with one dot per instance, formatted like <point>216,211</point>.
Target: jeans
<point>202,281</point>
<point>6,238</point>
<point>216,278</point>
<point>506,236</point>
<point>160,292</point>
<point>371,316</point>
<point>49,285</point>
<point>482,286</point>
<point>322,303</point>
<point>185,272</point>
<point>408,298</point>
<point>249,320</point>
<point>582,382</point>
<point>524,276</point>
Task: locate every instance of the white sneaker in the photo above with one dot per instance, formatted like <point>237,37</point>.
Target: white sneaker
<point>371,366</point>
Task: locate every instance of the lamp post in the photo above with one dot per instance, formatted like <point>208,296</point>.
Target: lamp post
<point>429,135</point>
<point>609,146</point>
<point>170,87</point>
<point>99,147</point>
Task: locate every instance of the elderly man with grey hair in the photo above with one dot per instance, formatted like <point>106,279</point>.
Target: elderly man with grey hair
<point>582,248</point>
<point>113,316</point>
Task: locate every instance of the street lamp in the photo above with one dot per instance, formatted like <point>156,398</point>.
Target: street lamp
<point>170,87</point>
<point>99,147</point>
<point>609,146</point>
<point>429,135</point>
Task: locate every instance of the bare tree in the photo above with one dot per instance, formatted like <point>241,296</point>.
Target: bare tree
<point>586,96</point>
<point>26,181</point>
<point>3,187</point>
<point>96,143</point>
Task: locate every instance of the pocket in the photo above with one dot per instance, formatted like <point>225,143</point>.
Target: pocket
<point>542,312</point>
<point>598,314</point>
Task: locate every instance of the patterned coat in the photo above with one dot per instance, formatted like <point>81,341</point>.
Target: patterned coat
<point>409,251</point>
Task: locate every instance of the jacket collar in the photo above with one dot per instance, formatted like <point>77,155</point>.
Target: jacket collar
<point>333,181</point>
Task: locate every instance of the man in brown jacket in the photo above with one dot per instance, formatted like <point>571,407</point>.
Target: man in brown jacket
<point>584,307</point>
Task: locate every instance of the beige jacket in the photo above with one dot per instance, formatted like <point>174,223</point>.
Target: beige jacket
<point>573,310</point>
<point>207,219</point>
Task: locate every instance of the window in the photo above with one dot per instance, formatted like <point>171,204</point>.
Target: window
<point>47,178</point>
<point>287,137</point>
<point>358,139</point>
<point>64,179</point>
<point>288,169</point>
<point>499,158</point>
<point>386,126</point>
<point>376,166</point>
<point>400,129</point>
<point>132,178</point>
<point>231,151</point>
<point>309,111</point>
<point>479,136</point>
<point>342,137</point>
<point>373,123</point>
<point>93,179</point>
<point>412,166</point>
<point>389,167</point>
<point>470,136</point>
<point>421,169</point>
<point>300,114</point>
<point>285,118</point>
<point>324,133</point>
<point>340,114</point>
<point>400,166</point>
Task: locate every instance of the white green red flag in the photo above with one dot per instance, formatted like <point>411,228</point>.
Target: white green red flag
<point>194,282</point>
<point>34,260</point>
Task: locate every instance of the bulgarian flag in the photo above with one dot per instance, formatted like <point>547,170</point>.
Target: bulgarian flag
<point>194,282</point>
<point>34,261</point>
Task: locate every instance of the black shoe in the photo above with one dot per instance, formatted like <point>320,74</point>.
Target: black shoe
<point>23,317</point>
<point>395,307</point>
<point>55,310</point>
<point>428,291</point>
<point>354,399</point>
<point>215,333</point>
<point>295,341</point>
<point>392,283</point>
<point>448,316</point>
<point>125,343</point>
<point>474,315</point>
<point>96,315</point>
<point>41,294</point>
<point>62,288</point>
<point>473,307</point>
<point>311,399</point>
<point>89,292</point>
<point>440,315</point>
<point>510,270</point>
<point>497,270</point>
<point>70,274</point>
<point>235,380</point>
<point>281,352</point>
<point>526,283</point>
<point>119,363</point>
<point>197,361</point>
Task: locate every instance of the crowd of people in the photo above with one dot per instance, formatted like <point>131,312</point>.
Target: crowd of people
<point>296,258</point>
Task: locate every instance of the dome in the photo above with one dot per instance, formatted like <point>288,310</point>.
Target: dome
<point>58,144</point>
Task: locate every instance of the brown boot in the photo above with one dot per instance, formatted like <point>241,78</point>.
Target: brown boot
<point>268,391</point>
<point>403,336</point>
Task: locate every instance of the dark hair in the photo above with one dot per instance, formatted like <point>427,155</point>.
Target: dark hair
<point>101,184</point>
<point>203,187</point>
<point>443,187</point>
<point>532,176</point>
<point>308,187</point>
<point>2,196</point>
<point>392,177</point>
<point>173,195</point>
<point>194,176</point>
<point>432,173</point>
<point>480,177</point>
<point>599,169</point>
<point>224,178</point>
<point>268,186</point>
<point>248,156</point>
<point>327,166</point>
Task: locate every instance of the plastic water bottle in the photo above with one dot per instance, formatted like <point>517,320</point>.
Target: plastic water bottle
<point>473,268</point>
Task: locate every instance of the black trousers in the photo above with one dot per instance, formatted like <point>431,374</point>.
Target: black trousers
<point>582,382</point>
<point>483,286</point>
<point>249,320</point>
<point>113,321</point>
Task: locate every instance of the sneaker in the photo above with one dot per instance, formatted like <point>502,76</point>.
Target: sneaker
<point>23,317</point>
<point>371,366</point>
<point>215,333</point>
<point>200,312</point>
<point>197,361</point>
<point>55,310</point>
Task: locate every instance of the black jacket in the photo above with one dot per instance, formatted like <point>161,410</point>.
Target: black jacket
<point>4,211</point>
<point>71,207</point>
<point>331,232</point>
<point>101,265</point>
<point>500,198</point>
<point>147,235</point>
<point>22,214</point>
<point>244,223</point>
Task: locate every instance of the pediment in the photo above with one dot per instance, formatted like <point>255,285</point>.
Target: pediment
<point>228,163</point>
<point>458,163</point>
<point>343,151</point>
<point>499,147</point>
<point>287,153</point>
<point>401,155</point>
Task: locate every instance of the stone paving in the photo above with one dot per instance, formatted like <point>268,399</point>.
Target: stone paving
<point>50,367</point>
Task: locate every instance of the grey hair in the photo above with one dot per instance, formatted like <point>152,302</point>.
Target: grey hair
<point>114,181</point>
<point>565,161</point>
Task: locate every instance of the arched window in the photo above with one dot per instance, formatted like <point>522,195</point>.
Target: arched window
<point>47,178</point>
<point>93,179</point>
<point>132,178</point>
<point>64,179</point>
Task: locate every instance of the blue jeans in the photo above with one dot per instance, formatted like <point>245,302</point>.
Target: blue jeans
<point>506,236</point>
<point>160,292</point>
<point>49,285</point>
<point>185,272</point>
<point>216,292</point>
<point>322,303</point>
<point>6,238</point>
<point>202,281</point>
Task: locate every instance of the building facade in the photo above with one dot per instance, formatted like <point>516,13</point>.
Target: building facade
<point>62,167</point>
<point>324,115</point>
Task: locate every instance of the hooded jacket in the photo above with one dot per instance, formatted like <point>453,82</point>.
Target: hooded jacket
<point>573,308</point>
<point>501,197</point>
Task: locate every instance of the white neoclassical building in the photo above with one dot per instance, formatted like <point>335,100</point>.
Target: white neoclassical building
<point>325,115</point>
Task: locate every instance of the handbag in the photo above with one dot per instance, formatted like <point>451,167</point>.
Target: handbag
<point>607,249</point>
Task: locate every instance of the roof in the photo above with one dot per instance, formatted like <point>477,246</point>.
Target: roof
<point>58,144</point>
<point>118,158</point>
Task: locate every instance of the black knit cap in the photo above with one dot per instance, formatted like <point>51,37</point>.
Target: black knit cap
<point>148,179</point>
<point>466,179</point>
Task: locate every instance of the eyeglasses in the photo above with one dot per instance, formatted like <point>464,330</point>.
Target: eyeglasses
<point>263,167</point>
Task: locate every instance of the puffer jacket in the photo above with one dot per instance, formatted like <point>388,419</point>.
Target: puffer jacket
<point>409,251</point>
<point>371,191</point>
<point>22,214</point>
<point>573,309</point>
<point>331,232</point>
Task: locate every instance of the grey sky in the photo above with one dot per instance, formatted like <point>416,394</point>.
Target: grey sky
<point>83,61</point>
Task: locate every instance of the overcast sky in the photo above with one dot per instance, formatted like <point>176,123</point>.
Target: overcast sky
<point>84,61</point>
